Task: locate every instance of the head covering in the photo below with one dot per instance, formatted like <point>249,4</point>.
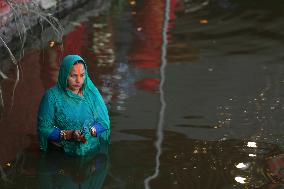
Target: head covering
<point>89,90</point>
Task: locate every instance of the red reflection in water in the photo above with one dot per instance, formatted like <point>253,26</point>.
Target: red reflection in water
<point>74,41</point>
<point>52,57</point>
<point>4,7</point>
<point>148,40</point>
<point>20,122</point>
<point>148,84</point>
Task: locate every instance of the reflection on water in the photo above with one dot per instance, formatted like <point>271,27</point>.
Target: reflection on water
<point>187,163</point>
<point>56,170</point>
<point>236,61</point>
<point>223,86</point>
<point>160,127</point>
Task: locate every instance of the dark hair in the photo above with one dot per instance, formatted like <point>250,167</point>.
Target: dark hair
<point>79,62</point>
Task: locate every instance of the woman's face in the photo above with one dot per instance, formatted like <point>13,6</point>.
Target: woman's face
<point>76,77</point>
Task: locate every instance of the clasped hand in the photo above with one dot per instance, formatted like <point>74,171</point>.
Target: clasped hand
<point>77,135</point>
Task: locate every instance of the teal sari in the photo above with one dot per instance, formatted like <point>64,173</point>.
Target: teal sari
<point>60,108</point>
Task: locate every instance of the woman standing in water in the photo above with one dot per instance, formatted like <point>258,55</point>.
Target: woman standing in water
<point>72,114</point>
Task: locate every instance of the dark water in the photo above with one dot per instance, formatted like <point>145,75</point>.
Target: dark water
<point>194,89</point>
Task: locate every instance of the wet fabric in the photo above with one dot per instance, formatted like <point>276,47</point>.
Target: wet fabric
<point>86,172</point>
<point>60,108</point>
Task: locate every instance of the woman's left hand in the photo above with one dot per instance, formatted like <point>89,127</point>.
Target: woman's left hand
<point>93,131</point>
